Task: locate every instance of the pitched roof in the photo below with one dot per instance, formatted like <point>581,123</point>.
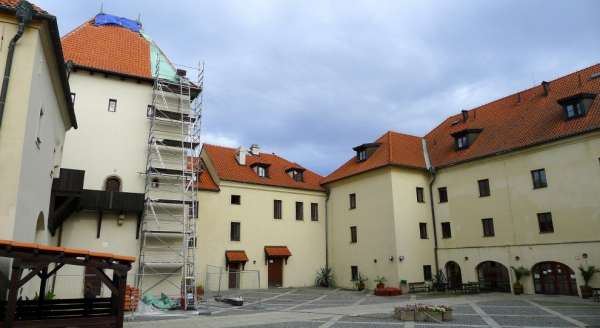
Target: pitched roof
<point>523,119</point>
<point>227,168</point>
<point>520,120</point>
<point>394,149</point>
<point>13,4</point>
<point>108,48</point>
<point>205,181</point>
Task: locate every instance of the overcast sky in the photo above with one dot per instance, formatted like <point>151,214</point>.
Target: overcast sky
<point>309,80</point>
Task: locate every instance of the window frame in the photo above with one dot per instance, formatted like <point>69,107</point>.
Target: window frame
<point>543,226</point>
<point>443,191</point>
<point>539,178</point>
<point>484,188</point>
<point>354,272</point>
<point>112,101</point>
<point>487,224</point>
<point>462,142</point>
<point>235,234</point>
<point>361,155</point>
<point>427,272</point>
<point>446,230</point>
<point>233,200</point>
<point>353,235</point>
<point>299,211</point>
<point>578,109</point>
<point>420,194</point>
<point>277,209</point>
<point>261,171</point>
<point>314,212</point>
<point>423,233</point>
<point>352,200</point>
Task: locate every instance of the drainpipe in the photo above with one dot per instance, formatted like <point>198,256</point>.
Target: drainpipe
<point>24,14</point>
<point>326,231</point>
<point>432,172</point>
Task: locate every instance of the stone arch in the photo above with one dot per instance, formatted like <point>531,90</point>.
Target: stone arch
<point>556,278</point>
<point>493,276</point>
<point>113,183</point>
<point>453,275</point>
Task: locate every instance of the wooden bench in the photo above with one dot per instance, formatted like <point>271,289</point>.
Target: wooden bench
<point>415,287</point>
<point>471,288</point>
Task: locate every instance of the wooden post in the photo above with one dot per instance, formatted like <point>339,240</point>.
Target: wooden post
<point>42,294</point>
<point>11,306</point>
<point>118,298</point>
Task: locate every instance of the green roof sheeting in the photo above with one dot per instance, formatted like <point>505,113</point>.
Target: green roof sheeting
<point>166,70</point>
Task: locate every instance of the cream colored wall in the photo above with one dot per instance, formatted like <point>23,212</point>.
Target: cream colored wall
<point>573,174</point>
<point>408,213</point>
<point>305,239</point>
<point>109,143</point>
<point>374,219</point>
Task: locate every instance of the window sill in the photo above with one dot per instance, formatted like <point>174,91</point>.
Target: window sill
<point>546,232</point>
<point>541,187</point>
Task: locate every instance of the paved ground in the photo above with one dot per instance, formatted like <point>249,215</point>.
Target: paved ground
<point>310,307</point>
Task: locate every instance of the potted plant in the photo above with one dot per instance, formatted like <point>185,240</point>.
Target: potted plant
<point>439,281</point>
<point>360,281</point>
<point>380,280</point>
<point>404,286</point>
<point>520,272</point>
<point>325,278</point>
<point>587,274</point>
<point>199,290</point>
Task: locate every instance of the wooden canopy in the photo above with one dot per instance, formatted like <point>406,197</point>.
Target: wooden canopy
<point>101,312</point>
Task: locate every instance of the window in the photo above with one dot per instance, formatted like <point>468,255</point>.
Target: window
<point>423,230</point>
<point>112,105</point>
<point>296,174</point>
<point>150,111</point>
<point>427,273</point>
<point>361,155</point>
<point>192,242</point>
<point>574,110</point>
<point>484,187</point>
<point>488,227</point>
<point>236,199</point>
<point>576,105</point>
<point>462,142</point>
<point>352,201</point>
<point>539,178</point>
<point>353,235</point>
<point>446,230</point>
<point>261,171</point>
<point>299,211</point>
<point>420,197</point>
<point>235,231</point>
<point>545,222</point>
<point>73,97</point>
<point>277,209</point>
<point>314,211</point>
<point>354,272</point>
<point>443,193</point>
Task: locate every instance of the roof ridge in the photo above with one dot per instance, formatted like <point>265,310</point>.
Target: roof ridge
<point>76,28</point>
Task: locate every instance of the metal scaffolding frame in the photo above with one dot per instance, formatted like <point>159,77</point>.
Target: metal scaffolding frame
<point>168,227</point>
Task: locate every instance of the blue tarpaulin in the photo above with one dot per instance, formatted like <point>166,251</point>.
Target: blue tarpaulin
<point>105,19</point>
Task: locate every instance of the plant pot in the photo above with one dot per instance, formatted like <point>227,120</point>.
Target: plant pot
<point>380,285</point>
<point>517,288</point>
<point>586,291</point>
<point>199,290</point>
<point>360,286</point>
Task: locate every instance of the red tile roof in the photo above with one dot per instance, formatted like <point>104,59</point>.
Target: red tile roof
<point>277,251</point>
<point>108,48</point>
<point>13,4</point>
<point>517,121</point>
<point>227,167</point>
<point>394,149</point>
<point>236,256</point>
<point>205,181</point>
<point>520,120</point>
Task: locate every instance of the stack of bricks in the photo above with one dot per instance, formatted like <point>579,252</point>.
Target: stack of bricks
<point>132,298</point>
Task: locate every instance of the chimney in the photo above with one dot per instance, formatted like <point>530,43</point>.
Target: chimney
<point>465,115</point>
<point>255,150</point>
<point>546,86</point>
<point>240,156</point>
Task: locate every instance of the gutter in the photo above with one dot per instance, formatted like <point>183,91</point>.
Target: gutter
<point>24,13</point>
<point>432,172</point>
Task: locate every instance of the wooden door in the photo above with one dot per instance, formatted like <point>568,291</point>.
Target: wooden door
<point>234,275</point>
<point>275,272</point>
<point>554,278</point>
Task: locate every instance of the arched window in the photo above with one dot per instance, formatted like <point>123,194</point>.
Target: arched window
<point>112,184</point>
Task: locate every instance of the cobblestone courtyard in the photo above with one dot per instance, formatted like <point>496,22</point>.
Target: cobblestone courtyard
<point>309,307</point>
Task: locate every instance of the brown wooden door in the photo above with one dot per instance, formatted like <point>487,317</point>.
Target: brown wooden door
<point>554,278</point>
<point>234,275</point>
<point>275,272</point>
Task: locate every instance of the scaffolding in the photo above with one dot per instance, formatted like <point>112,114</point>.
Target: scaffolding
<point>168,227</point>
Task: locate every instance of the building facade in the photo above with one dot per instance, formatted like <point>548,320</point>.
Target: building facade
<point>35,113</point>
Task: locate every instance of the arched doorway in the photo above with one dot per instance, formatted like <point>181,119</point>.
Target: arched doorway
<point>454,275</point>
<point>554,278</point>
<point>112,184</point>
<point>493,276</point>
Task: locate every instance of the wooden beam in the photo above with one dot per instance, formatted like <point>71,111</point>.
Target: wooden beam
<point>34,272</point>
<point>11,306</point>
<point>42,294</point>
<point>106,280</point>
<point>57,267</point>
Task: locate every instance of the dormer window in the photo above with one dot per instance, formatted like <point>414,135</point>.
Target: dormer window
<point>577,105</point>
<point>465,138</point>
<point>262,170</point>
<point>296,173</point>
<point>364,151</point>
